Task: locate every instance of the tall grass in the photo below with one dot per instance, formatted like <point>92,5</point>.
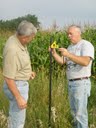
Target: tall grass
<point>38,103</point>
<point>3,105</point>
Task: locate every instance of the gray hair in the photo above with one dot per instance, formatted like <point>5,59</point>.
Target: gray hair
<point>26,28</point>
<point>78,28</point>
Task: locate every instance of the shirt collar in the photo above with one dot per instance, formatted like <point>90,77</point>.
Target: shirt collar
<point>19,44</point>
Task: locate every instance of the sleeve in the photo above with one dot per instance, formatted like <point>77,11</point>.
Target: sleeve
<point>88,50</point>
<point>9,64</point>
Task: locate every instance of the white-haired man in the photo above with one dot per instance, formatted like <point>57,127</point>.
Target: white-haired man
<point>78,58</point>
<point>17,71</point>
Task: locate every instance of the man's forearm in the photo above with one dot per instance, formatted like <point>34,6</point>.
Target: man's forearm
<point>12,86</point>
<point>58,58</point>
<point>81,60</point>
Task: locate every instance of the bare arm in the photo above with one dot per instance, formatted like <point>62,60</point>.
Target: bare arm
<point>58,58</point>
<point>81,60</point>
<point>12,87</point>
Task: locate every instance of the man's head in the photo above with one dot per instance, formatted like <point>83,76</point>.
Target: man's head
<point>74,34</point>
<point>26,32</point>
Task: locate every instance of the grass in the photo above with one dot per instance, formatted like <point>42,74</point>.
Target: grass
<point>3,105</point>
<point>37,111</point>
<point>39,96</point>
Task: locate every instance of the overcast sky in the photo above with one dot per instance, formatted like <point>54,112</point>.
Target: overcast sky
<point>62,11</point>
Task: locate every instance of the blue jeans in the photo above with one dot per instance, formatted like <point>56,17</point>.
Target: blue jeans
<point>79,91</point>
<point>16,115</point>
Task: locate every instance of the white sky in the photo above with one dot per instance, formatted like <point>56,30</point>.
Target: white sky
<point>48,11</point>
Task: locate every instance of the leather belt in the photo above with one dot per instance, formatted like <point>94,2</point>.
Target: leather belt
<point>78,78</point>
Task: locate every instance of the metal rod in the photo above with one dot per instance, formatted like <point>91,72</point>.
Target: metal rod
<point>50,85</point>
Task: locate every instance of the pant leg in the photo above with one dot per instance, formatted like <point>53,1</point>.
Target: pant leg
<point>17,116</point>
<point>78,97</point>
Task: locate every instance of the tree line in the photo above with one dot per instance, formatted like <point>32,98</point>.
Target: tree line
<point>12,24</point>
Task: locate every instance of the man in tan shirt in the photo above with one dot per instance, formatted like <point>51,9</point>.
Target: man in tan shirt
<point>17,71</point>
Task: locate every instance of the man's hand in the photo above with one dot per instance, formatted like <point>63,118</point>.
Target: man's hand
<point>33,74</point>
<point>57,57</point>
<point>64,52</point>
<point>52,50</point>
<point>21,102</point>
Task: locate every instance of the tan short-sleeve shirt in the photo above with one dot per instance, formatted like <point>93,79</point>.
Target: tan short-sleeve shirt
<point>16,60</point>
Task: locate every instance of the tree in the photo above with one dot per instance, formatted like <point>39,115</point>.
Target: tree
<point>12,24</point>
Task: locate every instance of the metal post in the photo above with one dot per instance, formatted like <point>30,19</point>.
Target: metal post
<point>50,85</point>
